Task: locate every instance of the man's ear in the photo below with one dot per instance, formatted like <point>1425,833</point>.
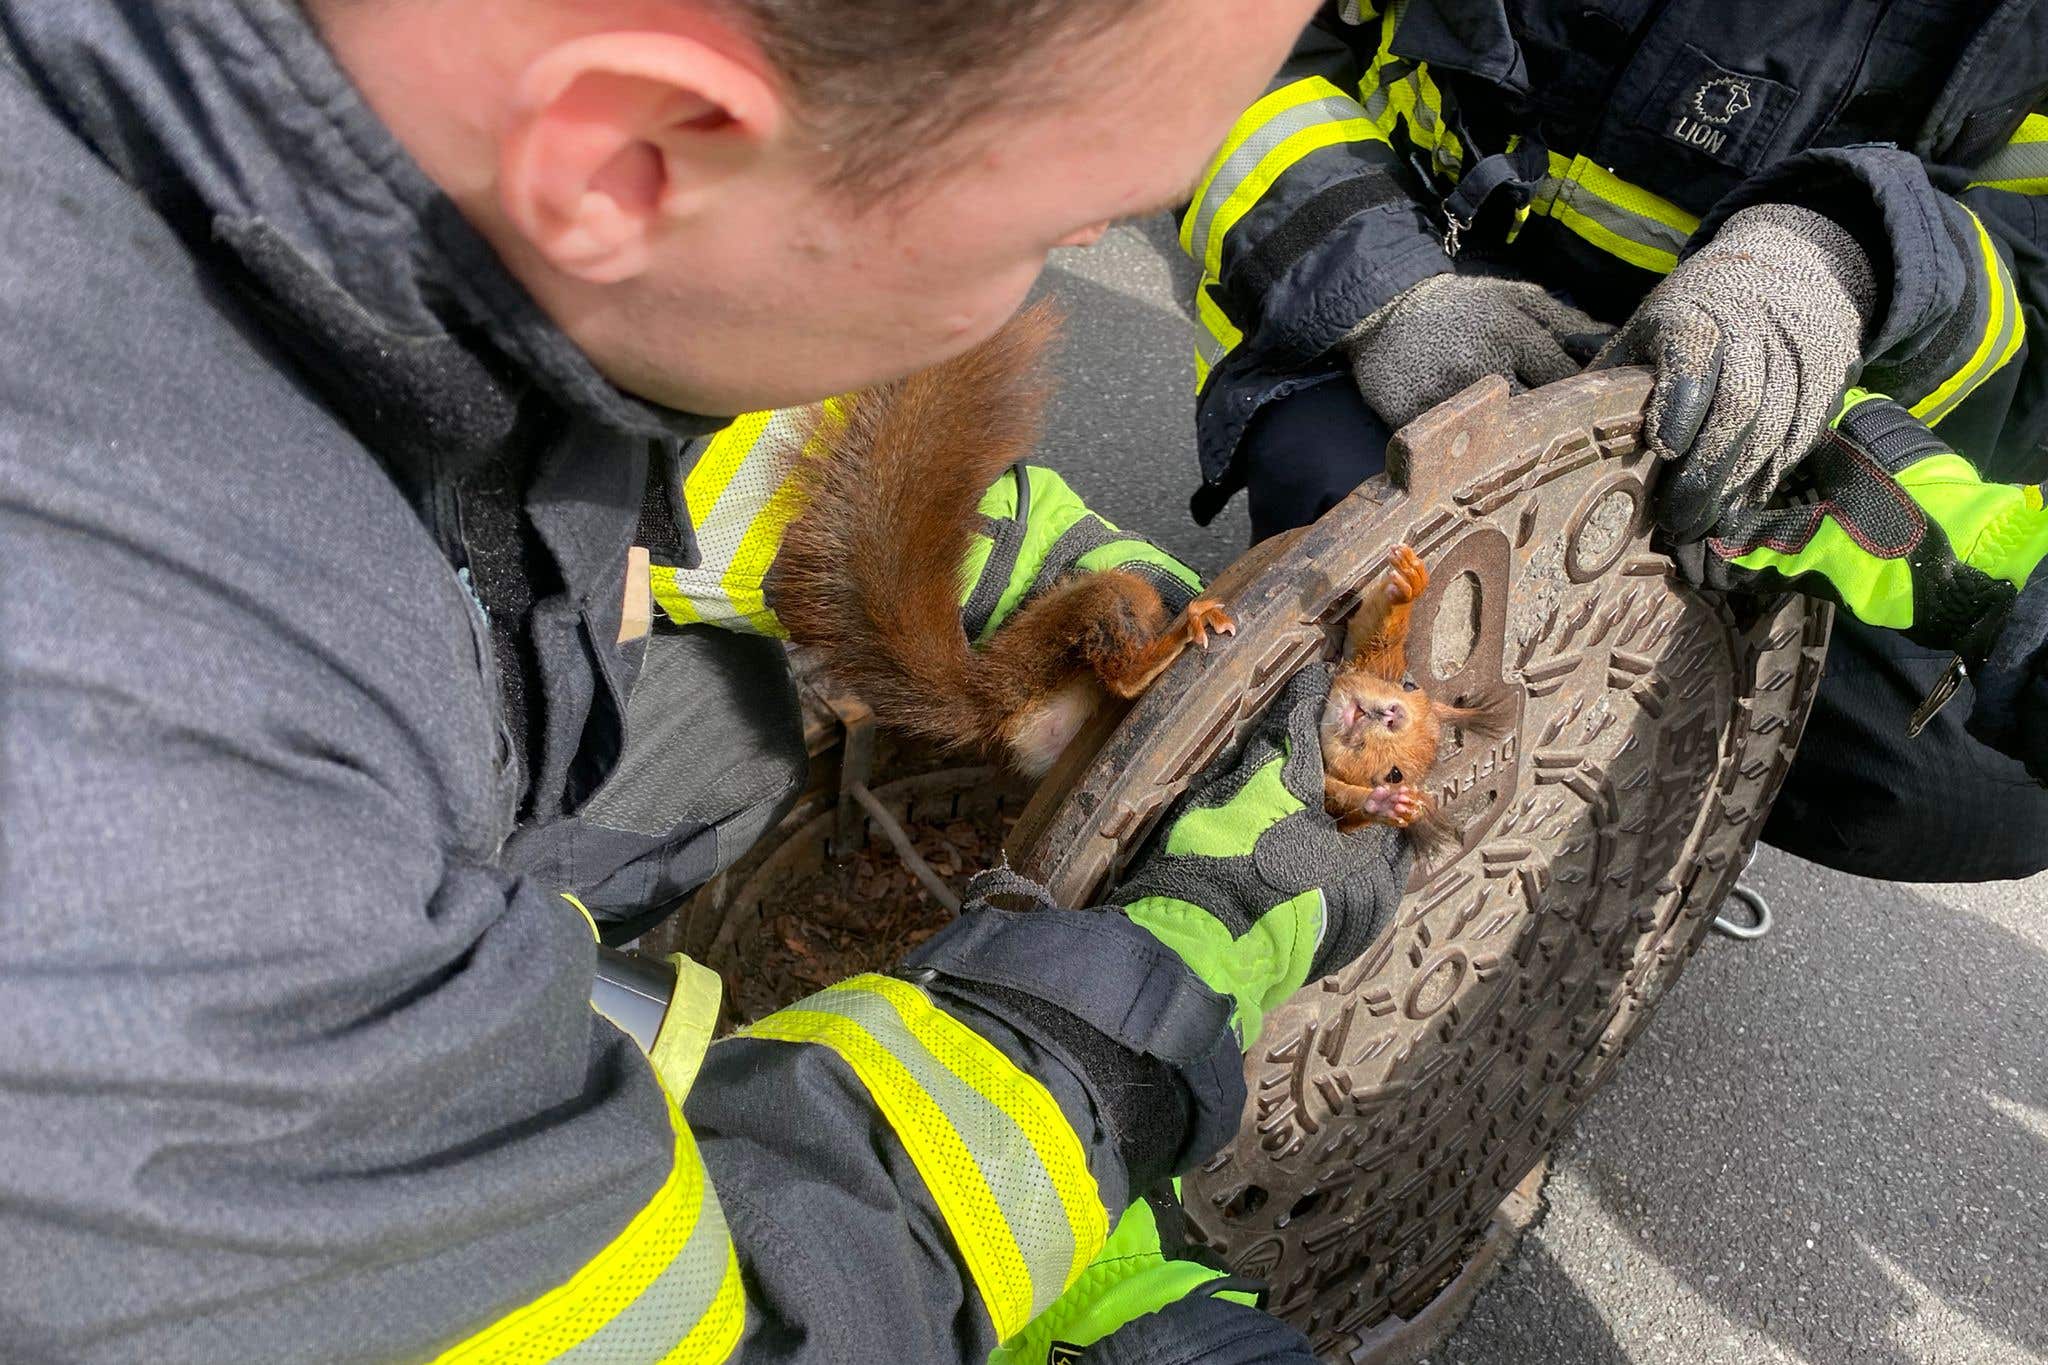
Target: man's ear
<point>612,136</point>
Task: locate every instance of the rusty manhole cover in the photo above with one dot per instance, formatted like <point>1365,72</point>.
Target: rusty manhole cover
<point>1396,1105</point>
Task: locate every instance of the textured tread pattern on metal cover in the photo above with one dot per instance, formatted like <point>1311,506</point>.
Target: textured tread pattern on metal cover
<point>1396,1104</point>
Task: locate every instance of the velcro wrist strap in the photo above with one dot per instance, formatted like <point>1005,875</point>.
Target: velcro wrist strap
<point>1894,437</point>
<point>1113,976</point>
<point>1109,973</point>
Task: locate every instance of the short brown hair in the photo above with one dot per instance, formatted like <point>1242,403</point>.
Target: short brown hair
<point>885,79</point>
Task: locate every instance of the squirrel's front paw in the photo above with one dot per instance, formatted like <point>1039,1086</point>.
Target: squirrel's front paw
<point>1399,806</point>
<point>1407,577</point>
<point>1204,615</point>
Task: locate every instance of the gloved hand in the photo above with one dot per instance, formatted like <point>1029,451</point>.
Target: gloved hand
<point>1448,332</point>
<point>1037,532</point>
<point>1754,338</point>
<point>1251,883</point>
<point>1887,521</point>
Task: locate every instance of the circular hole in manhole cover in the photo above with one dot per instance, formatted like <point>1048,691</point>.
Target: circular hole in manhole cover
<point>1455,632</point>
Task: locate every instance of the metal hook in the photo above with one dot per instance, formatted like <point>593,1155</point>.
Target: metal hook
<point>1760,911</point>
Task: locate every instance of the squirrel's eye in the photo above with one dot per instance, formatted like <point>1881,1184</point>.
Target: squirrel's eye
<point>1408,685</point>
<point>1393,776</point>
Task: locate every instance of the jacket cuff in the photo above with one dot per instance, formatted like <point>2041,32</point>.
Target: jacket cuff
<point>1132,1034</point>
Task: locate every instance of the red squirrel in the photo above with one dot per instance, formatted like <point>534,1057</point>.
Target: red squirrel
<point>869,572</point>
<point>1380,732</point>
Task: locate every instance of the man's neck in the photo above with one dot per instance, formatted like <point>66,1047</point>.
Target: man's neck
<point>432,70</point>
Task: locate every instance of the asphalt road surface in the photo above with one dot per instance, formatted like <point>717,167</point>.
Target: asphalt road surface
<point>1832,1144</point>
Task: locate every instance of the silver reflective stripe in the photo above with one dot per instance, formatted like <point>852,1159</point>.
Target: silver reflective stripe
<point>1008,1163</point>
<point>723,590</point>
<point>2014,161</point>
<point>1245,160</point>
<point>650,1327</point>
<point>1635,227</point>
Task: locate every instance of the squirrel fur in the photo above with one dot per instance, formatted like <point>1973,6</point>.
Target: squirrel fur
<point>869,572</point>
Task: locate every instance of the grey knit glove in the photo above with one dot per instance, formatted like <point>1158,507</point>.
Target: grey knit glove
<point>1754,339</point>
<point>1448,332</point>
<point>1251,882</point>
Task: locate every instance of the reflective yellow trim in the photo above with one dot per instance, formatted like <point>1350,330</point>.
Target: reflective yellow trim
<point>746,577</point>
<point>1023,1099</point>
<point>742,495</point>
<point>1269,107</point>
<point>712,474</point>
<point>1270,168</point>
<point>717,1334</point>
<point>1623,219</point>
<point>634,1274</point>
<point>676,604</point>
<point>987,1154</point>
<point>1222,335</point>
<point>2021,166</point>
<point>951,1174</point>
<point>2005,328</point>
<point>1411,99</point>
<point>588,917</point>
<point>686,1029</point>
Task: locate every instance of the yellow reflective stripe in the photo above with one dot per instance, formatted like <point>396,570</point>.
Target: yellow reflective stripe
<point>2004,329</point>
<point>742,495</point>
<point>1273,105</point>
<point>1620,218</point>
<point>1007,1173</point>
<point>669,595</point>
<point>2021,165</point>
<point>745,576</point>
<point>1270,168</point>
<point>717,1334</point>
<point>663,1279</point>
<point>708,479</point>
<point>1218,335</point>
<point>585,910</point>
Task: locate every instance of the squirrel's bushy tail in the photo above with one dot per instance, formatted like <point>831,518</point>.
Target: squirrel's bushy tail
<point>869,573</point>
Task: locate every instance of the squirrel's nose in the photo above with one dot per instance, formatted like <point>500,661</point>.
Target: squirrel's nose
<point>1393,715</point>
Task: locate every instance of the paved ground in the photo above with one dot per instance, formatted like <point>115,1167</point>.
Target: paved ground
<point>1832,1146</point>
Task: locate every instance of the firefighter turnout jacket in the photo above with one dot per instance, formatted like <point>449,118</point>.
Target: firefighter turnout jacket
<point>1589,145</point>
<point>313,534</point>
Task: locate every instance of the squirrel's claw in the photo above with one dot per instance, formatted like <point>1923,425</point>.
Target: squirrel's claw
<point>1204,615</point>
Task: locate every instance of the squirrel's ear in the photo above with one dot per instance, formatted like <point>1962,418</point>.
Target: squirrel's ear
<point>613,137</point>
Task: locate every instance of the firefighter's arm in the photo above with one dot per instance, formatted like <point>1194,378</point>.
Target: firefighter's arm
<point>1035,531</point>
<point>1313,213</point>
<point>916,1165</point>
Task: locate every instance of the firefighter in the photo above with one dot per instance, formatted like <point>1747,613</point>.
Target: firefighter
<point>1772,201</point>
<point>355,353</point>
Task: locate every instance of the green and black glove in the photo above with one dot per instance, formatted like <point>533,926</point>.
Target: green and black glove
<point>1036,531</point>
<point>1251,883</point>
<point>1888,522</point>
